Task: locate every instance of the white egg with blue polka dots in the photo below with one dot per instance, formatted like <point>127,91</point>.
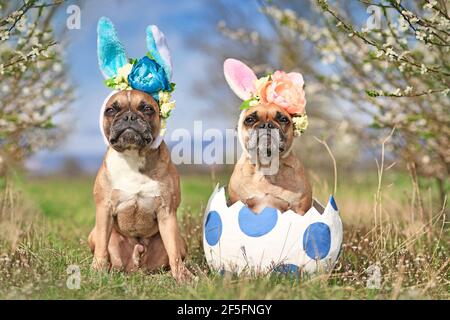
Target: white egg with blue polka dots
<point>237,240</point>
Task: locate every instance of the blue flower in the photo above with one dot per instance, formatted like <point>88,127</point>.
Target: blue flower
<point>148,76</point>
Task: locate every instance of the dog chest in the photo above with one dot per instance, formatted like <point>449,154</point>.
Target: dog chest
<point>124,170</point>
<point>135,196</point>
<point>135,214</point>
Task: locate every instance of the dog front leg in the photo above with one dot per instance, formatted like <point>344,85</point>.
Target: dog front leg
<point>103,229</point>
<point>170,234</point>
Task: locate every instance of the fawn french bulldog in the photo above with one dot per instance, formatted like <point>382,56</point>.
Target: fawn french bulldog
<point>266,131</point>
<point>137,189</point>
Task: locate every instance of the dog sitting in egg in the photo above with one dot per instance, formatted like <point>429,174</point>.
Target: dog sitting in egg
<point>272,223</point>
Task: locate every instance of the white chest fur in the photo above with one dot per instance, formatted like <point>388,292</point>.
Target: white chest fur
<point>124,173</point>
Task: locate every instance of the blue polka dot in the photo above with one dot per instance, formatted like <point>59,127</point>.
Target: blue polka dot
<point>213,228</point>
<point>317,240</point>
<point>286,268</point>
<point>256,225</point>
<point>333,203</point>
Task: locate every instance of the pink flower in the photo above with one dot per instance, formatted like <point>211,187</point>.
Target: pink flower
<point>284,90</point>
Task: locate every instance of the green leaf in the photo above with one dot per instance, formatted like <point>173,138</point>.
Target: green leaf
<point>426,135</point>
<point>246,104</point>
<point>132,61</point>
<point>414,117</point>
<point>372,93</point>
<point>172,86</point>
<point>150,56</point>
<point>48,124</point>
<point>376,125</point>
<point>110,83</point>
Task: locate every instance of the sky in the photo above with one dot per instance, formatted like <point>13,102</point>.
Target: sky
<point>178,19</point>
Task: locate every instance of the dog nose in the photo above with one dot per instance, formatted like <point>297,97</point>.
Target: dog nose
<point>130,116</point>
<point>268,125</point>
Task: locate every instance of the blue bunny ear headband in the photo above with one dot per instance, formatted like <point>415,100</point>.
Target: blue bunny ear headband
<point>151,74</point>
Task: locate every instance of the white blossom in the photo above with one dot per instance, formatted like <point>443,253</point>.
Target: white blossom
<point>430,4</point>
<point>423,69</point>
<point>408,90</point>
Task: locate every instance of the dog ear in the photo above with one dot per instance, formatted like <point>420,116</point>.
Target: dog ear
<point>110,51</point>
<point>158,49</point>
<point>240,78</point>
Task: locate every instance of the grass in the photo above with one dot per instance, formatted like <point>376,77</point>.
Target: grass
<point>384,231</point>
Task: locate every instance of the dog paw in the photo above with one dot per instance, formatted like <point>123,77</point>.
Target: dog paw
<point>100,264</point>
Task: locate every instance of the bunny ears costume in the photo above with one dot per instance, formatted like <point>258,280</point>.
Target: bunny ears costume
<point>151,74</point>
<point>280,88</point>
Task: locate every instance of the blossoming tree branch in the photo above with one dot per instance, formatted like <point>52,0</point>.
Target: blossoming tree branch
<point>33,83</point>
<point>388,60</point>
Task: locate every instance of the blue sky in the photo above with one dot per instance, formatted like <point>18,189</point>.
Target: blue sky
<point>179,20</point>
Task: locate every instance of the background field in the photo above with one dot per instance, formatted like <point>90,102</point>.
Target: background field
<point>54,224</point>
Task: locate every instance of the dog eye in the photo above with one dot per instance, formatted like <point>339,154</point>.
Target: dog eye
<point>147,109</point>
<point>110,111</point>
<point>250,120</point>
<point>284,119</point>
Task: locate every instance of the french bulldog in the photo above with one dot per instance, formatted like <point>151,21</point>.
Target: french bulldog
<point>266,134</point>
<point>137,189</point>
<point>136,192</point>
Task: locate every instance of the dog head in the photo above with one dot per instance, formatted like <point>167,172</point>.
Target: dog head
<point>273,109</point>
<point>266,130</point>
<point>130,120</point>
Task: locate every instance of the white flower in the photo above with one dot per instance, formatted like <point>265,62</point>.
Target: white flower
<point>123,72</point>
<point>33,53</point>
<point>430,4</point>
<point>403,24</point>
<point>122,86</point>
<point>4,35</point>
<point>423,69</point>
<point>408,90</point>
<point>379,53</point>
<point>253,102</point>
<point>407,13</point>
<point>2,69</point>
<point>164,97</point>
<point>420,35</point>
<point>166,108</point>
<point>300,124</point>
<point>391,54</point>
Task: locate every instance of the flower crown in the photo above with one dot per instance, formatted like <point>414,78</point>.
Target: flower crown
<point>151,74</point>
<point>280,88</point>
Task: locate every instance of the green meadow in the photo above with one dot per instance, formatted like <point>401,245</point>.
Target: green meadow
<point>384,227</point>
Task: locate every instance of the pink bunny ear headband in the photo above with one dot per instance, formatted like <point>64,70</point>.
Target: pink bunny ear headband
<point>280,88</point>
